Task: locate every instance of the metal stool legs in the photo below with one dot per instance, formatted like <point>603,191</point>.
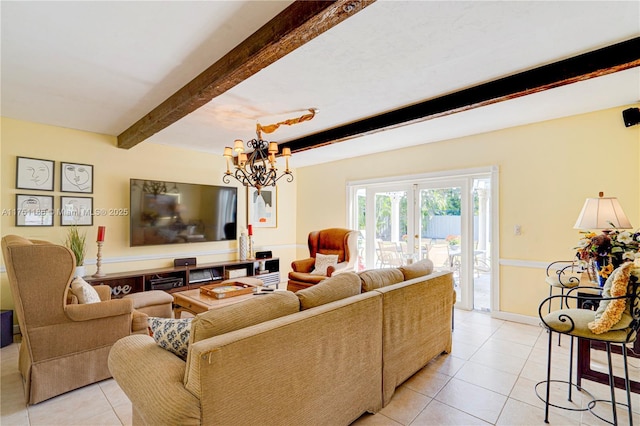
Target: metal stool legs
<point>612,388</point>
<point>627,383</point>
<point>568,382</point>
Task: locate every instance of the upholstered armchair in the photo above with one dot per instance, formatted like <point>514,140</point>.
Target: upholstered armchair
<point>65,344</point>
<point>332,241</point>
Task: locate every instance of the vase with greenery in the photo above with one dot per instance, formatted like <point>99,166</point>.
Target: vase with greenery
<point>76,242</point>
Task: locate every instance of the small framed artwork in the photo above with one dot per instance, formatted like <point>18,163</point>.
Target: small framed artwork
<point>34,210</point>
<point>76,178</point>
<point>34,173</point>
<point>76,211</point>
<point>263,207</point>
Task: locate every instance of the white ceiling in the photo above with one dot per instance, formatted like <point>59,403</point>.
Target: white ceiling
<point>101,66</point>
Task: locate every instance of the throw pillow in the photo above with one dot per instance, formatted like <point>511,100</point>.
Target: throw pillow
<point>323,261</point>
<point>610,312</point>
<point>84,291</point>
<point>171,334</point>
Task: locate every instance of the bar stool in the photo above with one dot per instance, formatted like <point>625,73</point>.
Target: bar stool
<point>562,274</point>
<point>616,321</point>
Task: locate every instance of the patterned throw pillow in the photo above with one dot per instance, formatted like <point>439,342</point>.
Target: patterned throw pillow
<point>171,334</point>
<point>323,261</point>
<point>84,291</point>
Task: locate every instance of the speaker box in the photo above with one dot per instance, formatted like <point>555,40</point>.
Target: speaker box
<point>263,254</point>
<point>631,116</point>
<point>187,261</point>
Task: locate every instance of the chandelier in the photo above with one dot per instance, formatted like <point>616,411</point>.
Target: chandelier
<point>258,168</point>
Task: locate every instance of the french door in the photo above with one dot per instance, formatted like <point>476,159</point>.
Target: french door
<point>445,219</point>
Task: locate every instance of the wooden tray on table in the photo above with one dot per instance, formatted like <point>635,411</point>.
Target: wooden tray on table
<point>227,289</point>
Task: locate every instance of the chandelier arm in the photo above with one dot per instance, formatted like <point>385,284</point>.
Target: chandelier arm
<point>288,174</point>
<point>242,176</point>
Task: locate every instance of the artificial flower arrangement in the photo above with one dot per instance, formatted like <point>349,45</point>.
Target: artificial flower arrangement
<point>609,249</point>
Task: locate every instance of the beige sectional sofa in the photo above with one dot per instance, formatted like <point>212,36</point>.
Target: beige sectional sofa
<point>322,356</point>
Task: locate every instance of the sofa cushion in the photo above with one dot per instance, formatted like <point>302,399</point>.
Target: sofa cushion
<point>171,334</point>
<point>240,315</point>
<point>323,261</point>
<point>418,269</point>
<point>334,288</point>
<point>244,314</point>
<point>377,278</point>
<point>84,291</point>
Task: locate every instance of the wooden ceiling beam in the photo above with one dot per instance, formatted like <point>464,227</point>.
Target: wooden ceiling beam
<point>298,24</point>
<point>611,59</point>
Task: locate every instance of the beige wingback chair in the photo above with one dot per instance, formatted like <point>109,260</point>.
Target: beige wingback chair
<point>65,345</point>
<point>343,242</point>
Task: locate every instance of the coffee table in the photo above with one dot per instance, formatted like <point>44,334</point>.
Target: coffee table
<point>196,302</point>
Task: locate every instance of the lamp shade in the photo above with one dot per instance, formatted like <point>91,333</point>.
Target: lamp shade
<point>602,213</point>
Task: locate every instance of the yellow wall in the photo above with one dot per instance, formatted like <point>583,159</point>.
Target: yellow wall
<point>113,167</point>
<point>546,170</point>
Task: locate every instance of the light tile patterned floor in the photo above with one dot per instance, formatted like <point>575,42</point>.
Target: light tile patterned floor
<point>489,378</point>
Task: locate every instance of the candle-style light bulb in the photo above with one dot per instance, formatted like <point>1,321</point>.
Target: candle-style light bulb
<point>228,154</point>
<point>286,153</point>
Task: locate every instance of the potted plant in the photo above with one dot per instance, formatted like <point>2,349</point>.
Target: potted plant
<point>454,242</point>
<point>76,242</point>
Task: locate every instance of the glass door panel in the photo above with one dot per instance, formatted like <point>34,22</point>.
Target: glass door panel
<point>482,244</point>
<point>392,228</point>
<point>440,233</point>
<point>361,226</point>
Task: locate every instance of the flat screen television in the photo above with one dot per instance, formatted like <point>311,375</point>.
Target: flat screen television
<point>174,213</point>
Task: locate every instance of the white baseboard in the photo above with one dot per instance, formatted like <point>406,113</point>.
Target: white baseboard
<point>523,319</point>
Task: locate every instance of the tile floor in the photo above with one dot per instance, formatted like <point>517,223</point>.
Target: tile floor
<point>488,379</point>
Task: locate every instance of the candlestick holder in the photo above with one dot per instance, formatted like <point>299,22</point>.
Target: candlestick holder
<point>251,248</point>
<point>99,272</point>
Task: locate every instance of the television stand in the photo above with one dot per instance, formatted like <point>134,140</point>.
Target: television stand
<point>181,278</point>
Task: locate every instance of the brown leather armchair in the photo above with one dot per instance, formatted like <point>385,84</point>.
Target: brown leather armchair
<point>343,242</point>
<point>65,345</point>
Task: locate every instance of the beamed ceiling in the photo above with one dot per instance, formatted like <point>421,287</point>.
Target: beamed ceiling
<point>383,74</point>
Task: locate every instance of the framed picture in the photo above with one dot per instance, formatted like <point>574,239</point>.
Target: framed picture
<point>34,210</point>
<point>263,207</point>
<point>76,178</point>
<point>34,173</point>
<point>76,211</point>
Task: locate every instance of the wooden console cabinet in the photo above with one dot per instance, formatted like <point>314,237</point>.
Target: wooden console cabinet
<point>182,278</point>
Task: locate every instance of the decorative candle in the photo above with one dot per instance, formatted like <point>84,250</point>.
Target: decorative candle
<point>250,229</point>
<point>101,230</point>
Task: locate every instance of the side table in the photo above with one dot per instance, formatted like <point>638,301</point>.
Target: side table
<point>591,300</point>
<point>6,328</point>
